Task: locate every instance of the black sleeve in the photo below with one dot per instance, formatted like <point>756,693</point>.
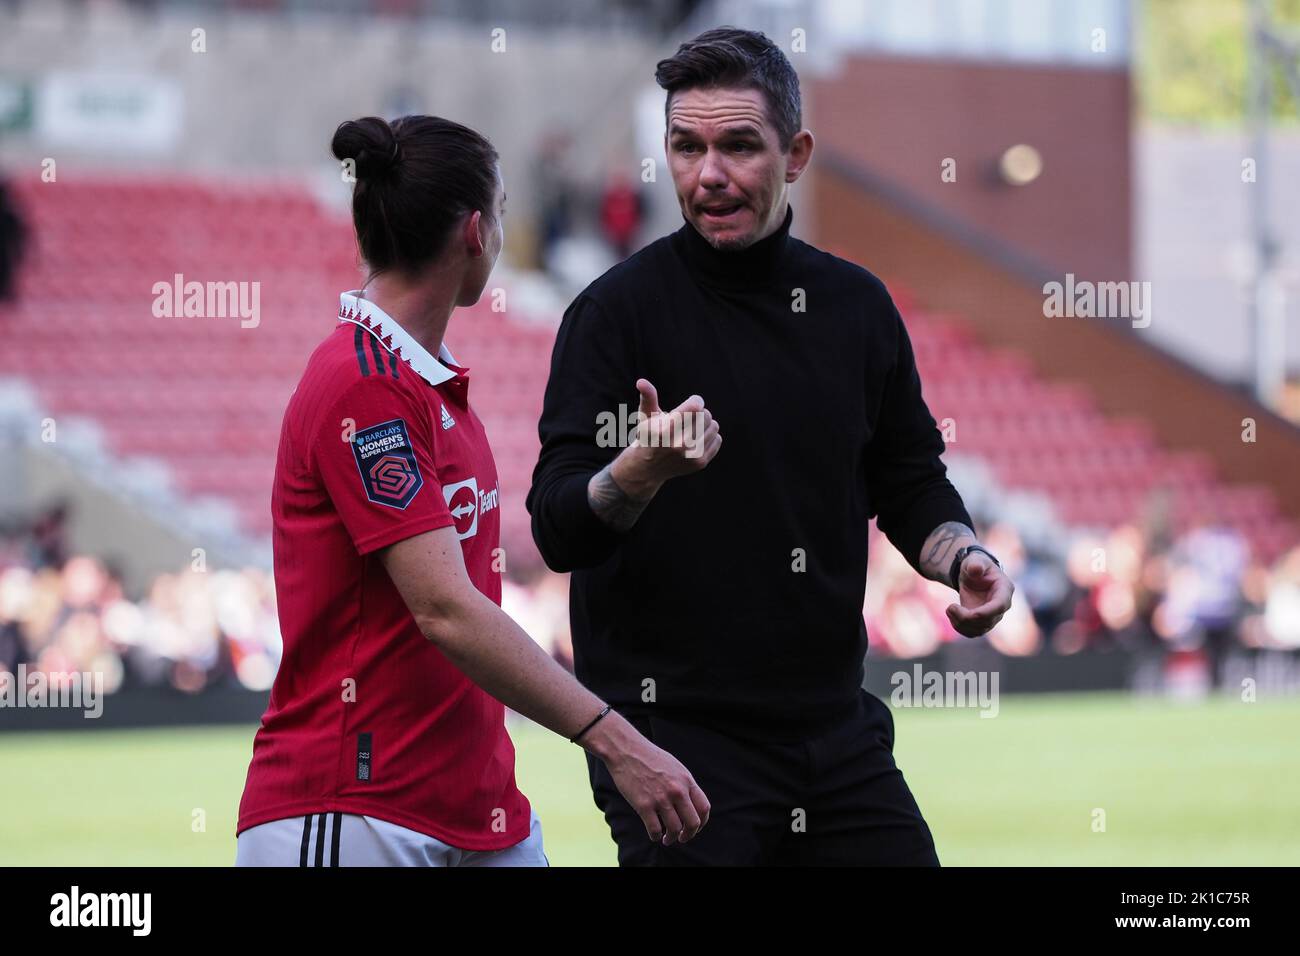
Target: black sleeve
<point>906,480</point>
<point>591,373</point>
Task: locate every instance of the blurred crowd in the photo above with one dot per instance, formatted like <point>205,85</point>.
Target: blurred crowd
<point>197,628</point>
<point>191,629</point>
<point>1200,591</point>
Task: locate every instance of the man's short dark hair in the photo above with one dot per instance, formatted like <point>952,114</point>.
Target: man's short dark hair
<point>729,56</point>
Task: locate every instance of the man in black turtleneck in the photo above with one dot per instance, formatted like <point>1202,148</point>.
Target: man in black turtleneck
<point>717,588</point>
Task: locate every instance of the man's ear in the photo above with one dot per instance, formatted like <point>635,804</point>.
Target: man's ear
<point>473,240</point>
<point>801,150</point>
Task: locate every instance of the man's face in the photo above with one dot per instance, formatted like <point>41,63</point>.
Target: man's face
<point>728,168</point>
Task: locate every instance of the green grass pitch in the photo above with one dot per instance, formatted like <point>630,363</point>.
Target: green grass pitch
<point>1209,783</point>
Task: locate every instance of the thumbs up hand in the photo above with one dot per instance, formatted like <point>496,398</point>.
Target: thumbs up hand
<point>667,444</point>
<point>679,441</point>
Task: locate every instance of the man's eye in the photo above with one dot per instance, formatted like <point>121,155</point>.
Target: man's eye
<point>685,147</point>
<point>741,147</point>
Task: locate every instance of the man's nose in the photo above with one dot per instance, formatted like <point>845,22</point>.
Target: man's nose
<point>713,174</point>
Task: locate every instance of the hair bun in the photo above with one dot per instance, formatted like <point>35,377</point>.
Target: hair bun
<point>369,142</point>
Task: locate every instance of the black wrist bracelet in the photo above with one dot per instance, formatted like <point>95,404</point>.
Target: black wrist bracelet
<point>954,573</point>
<point>576,737</point>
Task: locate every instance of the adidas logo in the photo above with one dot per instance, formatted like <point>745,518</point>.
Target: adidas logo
<point>447,420</point>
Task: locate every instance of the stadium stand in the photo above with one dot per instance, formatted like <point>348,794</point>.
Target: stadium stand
<point>205,395</point>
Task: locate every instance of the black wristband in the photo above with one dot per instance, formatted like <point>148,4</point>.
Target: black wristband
<point>576,737</point>
<point>954,573</point>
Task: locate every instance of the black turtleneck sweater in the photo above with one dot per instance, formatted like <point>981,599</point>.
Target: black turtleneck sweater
<point>736,599</point>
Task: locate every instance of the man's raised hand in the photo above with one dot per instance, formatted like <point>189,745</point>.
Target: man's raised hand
<point>667,444</point>
<point>673,443</point>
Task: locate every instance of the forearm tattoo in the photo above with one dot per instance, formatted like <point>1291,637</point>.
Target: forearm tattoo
<point>941,547</point>
<point>610,503</point>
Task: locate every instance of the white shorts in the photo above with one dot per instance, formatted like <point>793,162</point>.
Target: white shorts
<point>345,839</point>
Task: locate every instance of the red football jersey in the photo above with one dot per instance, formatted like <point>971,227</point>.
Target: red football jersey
<point>366,715</point>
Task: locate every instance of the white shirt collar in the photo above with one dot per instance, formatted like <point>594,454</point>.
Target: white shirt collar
<point>362,312</point>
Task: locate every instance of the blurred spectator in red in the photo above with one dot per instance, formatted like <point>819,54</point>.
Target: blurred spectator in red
<point>621,210</point>
<point>1082,625</point>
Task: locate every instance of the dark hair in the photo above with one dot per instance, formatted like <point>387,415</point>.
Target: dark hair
<point>729,56</point>
<point>414,178</point>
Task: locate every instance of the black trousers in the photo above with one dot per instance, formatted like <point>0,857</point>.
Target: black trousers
<point>834,800</point>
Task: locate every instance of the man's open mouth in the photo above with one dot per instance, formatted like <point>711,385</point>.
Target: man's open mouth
<point>720,212</point>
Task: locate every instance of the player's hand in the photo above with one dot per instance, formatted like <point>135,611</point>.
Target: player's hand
<point>662,792</point>
<point>985,595</point>
<point>668,444</point>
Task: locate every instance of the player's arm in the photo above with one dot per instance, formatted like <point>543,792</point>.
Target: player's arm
<point>494,652</point>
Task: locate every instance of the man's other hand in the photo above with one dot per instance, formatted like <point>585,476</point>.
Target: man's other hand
<point>985,595</point>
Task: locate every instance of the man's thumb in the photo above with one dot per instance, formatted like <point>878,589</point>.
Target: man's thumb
<point>649,397</point>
